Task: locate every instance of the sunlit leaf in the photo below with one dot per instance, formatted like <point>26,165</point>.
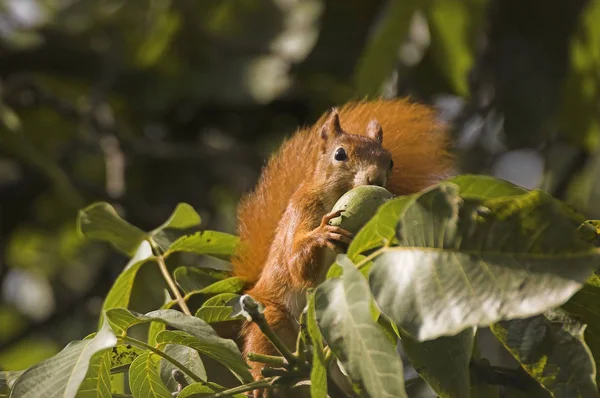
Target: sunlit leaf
<point>101,221</point>
<point>344,317</point>
<point>229,285</point>
<point>119,294</point>
<point>144,380</point>
<point>210,243</point>
<point>181,220</point>
<point>184,216</point>
<point>551,349</point>
<point>97,380</point>
<point>7,381</point>
<point>212,314</point>
<point>221,300</point>
<point>62,374</point>
<point>464,262</point>
<point>381,229</point>
<point>485,186</point>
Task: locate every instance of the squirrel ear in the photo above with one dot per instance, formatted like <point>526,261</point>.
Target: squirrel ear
<point>375,131</point>
<point>332,126</point>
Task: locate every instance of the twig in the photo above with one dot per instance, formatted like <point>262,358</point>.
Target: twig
<point>165,273</point>
<point>264,383</point>
<point>259,318</point>
<point>141,344</point>
<point>270,360</point>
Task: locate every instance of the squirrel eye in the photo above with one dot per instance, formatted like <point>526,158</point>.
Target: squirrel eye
<point>340,155</point>
<point>391,164</point>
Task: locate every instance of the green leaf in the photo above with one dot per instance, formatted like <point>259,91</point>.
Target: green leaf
<point>318,372</point>
<point>229,285</point>
<point>62,374</point>
<point>8,378</point>
<point>578,118</point>
<point>585,307</point>
<point>210,243</point>
<point>223,350</point>
<point>144,380</point>
<point>157,327</point>
<point>187,357</point>
<point>218,308</point>
<point>101,221</point>
<point>464,262</point>
<point>388,328</point>
<point>381,229</point>
<point>97,381</point>
<point>213,314</point>
<point>119,294</point>
<point>162,24</point>
<point>590,231</point>
<point>183,217</point>
<point>192,278</point>
<point>380,56</point>
<point>344,317</point>
<point>485,186</point>
<point>452,24</point>
<point>197,390</point>
<point>551,349</point>
<point>124,354</point>
<point>443,362</point>
<point>221,300</point>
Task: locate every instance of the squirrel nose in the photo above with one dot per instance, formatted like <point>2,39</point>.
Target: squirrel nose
<point>376,180</point>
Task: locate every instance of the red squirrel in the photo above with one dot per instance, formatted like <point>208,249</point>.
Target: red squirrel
<point>287,244</point>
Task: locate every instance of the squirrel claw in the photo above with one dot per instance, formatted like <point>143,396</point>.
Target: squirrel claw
<point>329,216</point>
<point>335,238</point>
<point>338,234</point>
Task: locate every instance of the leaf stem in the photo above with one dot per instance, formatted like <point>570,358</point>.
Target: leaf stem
<point>165,273</point>
<point>270,360</point>
<point>120,369</point>
<point>264,383</point>
<point>370,257</point>
<point>182,367</point>
<point>264,326</point>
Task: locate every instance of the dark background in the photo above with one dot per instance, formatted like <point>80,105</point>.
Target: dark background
<point>148,103</point>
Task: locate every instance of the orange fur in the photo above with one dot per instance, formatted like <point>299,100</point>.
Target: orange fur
<point>286,242</point>
<point>418,144</point>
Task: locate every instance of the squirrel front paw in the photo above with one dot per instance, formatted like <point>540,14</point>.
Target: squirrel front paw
<point>335,238</point>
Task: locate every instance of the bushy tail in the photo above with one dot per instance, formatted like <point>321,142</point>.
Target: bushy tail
<point>417,141</point>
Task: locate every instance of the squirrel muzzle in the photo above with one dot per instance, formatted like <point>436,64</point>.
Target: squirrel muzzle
<point>371,175</point>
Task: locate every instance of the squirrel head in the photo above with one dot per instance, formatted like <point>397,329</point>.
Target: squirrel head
<point>348,160</point>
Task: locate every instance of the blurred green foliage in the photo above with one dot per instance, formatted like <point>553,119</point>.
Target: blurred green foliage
<point>149,103</point>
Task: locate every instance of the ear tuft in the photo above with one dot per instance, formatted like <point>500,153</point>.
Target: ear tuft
<point>375,131</point>
<point>332,126</point>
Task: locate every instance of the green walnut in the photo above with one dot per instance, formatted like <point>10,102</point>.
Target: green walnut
<point>359,205</point>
